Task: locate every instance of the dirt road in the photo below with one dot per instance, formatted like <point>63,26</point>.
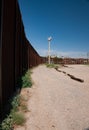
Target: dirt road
<point>58,102</point>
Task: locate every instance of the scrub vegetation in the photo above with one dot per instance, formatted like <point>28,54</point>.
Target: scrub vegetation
<point>19,106</point>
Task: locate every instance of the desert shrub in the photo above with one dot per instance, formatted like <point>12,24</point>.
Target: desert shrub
<point>18,104</point>
<point>15,102</point>
<point>52,65</point>
<point>7,123</point>
<point>26,80</point>
<point>18,118</point>
<point>14,118</point>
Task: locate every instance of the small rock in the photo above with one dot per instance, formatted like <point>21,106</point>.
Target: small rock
<point>53,125</point>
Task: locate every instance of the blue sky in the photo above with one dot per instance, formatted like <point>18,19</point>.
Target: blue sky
<point>66,21</point>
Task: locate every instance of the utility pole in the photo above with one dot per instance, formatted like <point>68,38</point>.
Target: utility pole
<point>87,57</point>
<point>49,40</point>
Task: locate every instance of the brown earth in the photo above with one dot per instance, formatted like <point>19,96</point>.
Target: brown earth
<point>57,102</point>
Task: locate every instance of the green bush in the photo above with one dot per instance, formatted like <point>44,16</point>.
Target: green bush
<point>7,123</point>
<point>24,108</point>
<point>14,118</point>
<point>18,118</point>
<point>52,65</point>
<point>26,80</point>
<point>15,102</point>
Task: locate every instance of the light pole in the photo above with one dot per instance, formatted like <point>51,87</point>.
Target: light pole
<point>87,57</point>
<point>49,40</point>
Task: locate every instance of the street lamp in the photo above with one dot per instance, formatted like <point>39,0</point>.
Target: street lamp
<point>49,40</point>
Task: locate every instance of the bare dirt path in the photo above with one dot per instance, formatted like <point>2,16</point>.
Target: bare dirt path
<point>57,102</point>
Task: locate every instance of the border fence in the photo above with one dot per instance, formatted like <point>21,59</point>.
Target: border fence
<point>16,52</point>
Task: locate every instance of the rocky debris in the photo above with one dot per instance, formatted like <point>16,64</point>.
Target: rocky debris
<point>77,79</point>
<point>64,72</point>
<point>71,76</point>
<point>64,65</point>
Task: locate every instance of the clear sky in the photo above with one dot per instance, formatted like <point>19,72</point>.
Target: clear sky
<point>66,21</point>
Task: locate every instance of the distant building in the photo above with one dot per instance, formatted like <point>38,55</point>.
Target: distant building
<point>57,60</point>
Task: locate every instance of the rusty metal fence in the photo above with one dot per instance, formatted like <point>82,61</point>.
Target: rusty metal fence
<point>16,53</point>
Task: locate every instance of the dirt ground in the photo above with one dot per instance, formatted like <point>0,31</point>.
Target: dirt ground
<point>57,102</point>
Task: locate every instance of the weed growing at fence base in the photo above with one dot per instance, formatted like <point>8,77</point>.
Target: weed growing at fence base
<point>15,117</point>
<point>52,65</point>
<point>19,106</point>
<point>18,118</point>
<point>26,80</point>
<point>15,102</point>
<point>7,123</point>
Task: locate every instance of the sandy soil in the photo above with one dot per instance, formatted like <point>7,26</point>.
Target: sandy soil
<point>58,102</point>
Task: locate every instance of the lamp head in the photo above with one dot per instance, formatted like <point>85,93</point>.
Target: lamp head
<point>49,38</point>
